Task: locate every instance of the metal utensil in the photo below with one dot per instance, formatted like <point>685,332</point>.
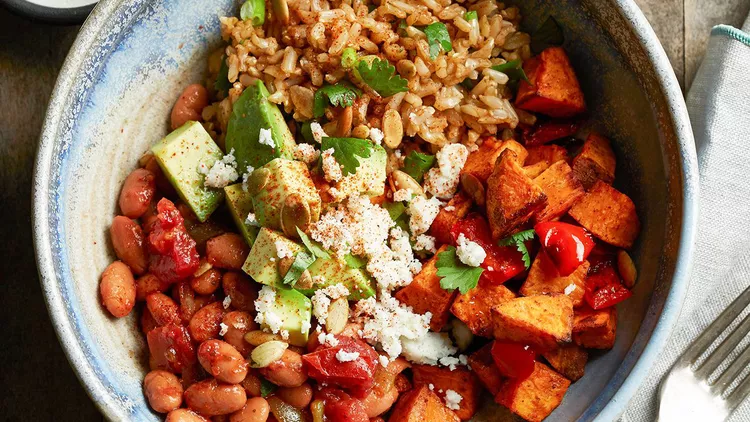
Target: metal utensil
<point>689,393</point>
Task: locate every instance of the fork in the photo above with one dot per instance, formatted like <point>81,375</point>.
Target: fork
<point>688,394</point>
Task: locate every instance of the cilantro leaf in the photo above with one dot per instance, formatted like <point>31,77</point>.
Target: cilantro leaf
<point>222,79</point>
<point>313,247</point>
<point>342,94</point>
<point>355,262</point>
<point>301,261</point>
<point>438,38</point>
<point>266,387</point>
<point>381,76</point>
<point>346,151</point>
<point>254,11</point>
<point>514,71</point>
<point>397,211</point>
<point>454,273</point>
<point>470,15</point>
<point>518,240</point>
<point>416,164</point>
<point>549,34</point>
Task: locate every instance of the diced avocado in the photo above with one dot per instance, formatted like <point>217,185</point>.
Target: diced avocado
<point>333,271</point>
<point>262,263</point>
<point>240,204</point>
<point>252,112</point>
<point>179,155</point>
<point>369,179</point>
<point>295,310</point>
<point>276,181</point>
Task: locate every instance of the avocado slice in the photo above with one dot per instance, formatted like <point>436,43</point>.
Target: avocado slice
<point>252,112</point>
<point>262,261</point>
<point>179,155</point>
<point>369,179</point>
<point>295,311</point>
<point>335,271</point>
<point>240,204</point>
<point>273,183</point>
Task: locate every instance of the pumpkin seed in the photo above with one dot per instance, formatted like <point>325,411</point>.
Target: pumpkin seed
<point>266,353</point>
<point>281,11</point>
<point>294,213</point>
<point>402,180</point>
<point>258,180</point>
<point>361,132</point>
<point>202,268</point>
<point>338,315</point>
<point>305,281</point>
<point>284,264</point>
<point>258,337</point>
<point>393,129</point>
<point>473,187</point>
<point>626,268</point>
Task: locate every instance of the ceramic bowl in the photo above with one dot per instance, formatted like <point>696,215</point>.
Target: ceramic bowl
<point>132,59</point>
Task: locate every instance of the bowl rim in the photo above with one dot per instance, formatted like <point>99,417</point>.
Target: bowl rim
<point>111,406</point>
<point>53,15</point>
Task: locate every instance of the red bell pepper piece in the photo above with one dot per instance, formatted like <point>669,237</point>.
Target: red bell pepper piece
<point>547,132</point>
<point>340,406</point>
<point>173,252</point>
<point>566,244</point>
<point>502,262</point>
<point>604,288</point>
<point>513,360</point>
<point>358,374</point>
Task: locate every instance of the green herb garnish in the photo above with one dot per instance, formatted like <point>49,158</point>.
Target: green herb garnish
<point>254,11</point>
<point>353,261</point>
<point>348,58</point>
<point>454,273</point>
<point>346,151</point>
<point>471,15</point>
<point>266,387</point>
<point>342,94</point>
<point>222,79</point>
<point>438,38</point>
<point>313,247</point>
<point>301,261</point>
<point>514,71</point>
<point>381,76</point>
<point>519,240</point>
<point>549,34</point>
<point>416,164</point>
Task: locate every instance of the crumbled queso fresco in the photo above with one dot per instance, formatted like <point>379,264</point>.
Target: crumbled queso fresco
<point>470,253</point>
<point>442,180</point>
<point>222,173</point>
<point>265,138</point>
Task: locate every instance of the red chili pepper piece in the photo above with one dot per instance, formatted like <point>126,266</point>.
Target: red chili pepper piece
<point>566,244</point>
<point>549,131</point>
<point>173,253</point>
<point>502,262</point>
<point>604,288</point>
<point>358,374</point>
<point>340,406</point>
<point>513,360</point>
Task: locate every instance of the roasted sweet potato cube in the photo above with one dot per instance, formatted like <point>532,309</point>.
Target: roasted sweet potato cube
<point>534,170</point>
<point>424,294</point>
<point>421,405</point>
<point>549,154</point>
<point>460,380</point>
<point>544,278</point>
<point>474,307</point>
<point>481,162</point>
<point>554,88</point>
<point>535,397</point>
<point>542,322</point>
<point>482,364</point>
<point>562,188</point>
<point>594,329</point>
<point>596,161</point>
<point>608,214</point>
<point>457,208</point>
<point>512,197</point>
<point>569,360</point>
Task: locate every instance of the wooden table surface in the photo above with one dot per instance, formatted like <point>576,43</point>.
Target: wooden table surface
<point>37,382</point>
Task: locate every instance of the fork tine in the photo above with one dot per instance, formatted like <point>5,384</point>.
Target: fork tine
<point>739,394</point>
<point>719,387</point>
<point>716,328</point>
<point>723,350</point>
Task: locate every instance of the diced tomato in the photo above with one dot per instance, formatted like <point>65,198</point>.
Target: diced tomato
<point>604,288</point>
<point>513,360</point>
<point>173,253</point>
<point>342,407</point>
<point>170,348</point>
<point>566,244</point>
<point>547,132</point>
<point>502,262</point>
<point>357,375</point>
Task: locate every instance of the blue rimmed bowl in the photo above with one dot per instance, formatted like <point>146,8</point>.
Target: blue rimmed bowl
<point>133,57</point>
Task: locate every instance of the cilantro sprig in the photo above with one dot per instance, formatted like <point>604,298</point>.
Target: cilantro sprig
<point>346,151</point>
<point>438,39</point>
<point>222,79</point>
<point>416,164</point>
<point>514,70</point>
<point>266,387</point>
<point>301,262</point>
<point>470,15</point>
<point>381,76</point>
<point>519,240</point>
<point>341,94</point>
<point>313,247</point>
<point>454,273</point>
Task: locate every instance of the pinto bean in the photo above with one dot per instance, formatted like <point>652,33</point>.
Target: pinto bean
<point>189,106</point>
<point>137,191</point>
<point>163,391</point>
<point>163,185</point>
<point>117,289</point>
<point>184,415</point>
<point>228,251</point>
<point>256,409</point>
<point>148,322</point>
<point>298,397</point>
<point>251,384</point>
<point>127,239</point>
<point>163,308</point>
<point>287,371</point>
<point>147,284</point>
<point>206,283</point>
<point>238,324</point>
<point>222,361</point>
<point>204,325</point>
<point>241,291</point>
<point>213,398</point>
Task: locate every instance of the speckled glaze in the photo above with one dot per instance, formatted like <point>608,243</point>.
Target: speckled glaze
<point>133,57</point>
